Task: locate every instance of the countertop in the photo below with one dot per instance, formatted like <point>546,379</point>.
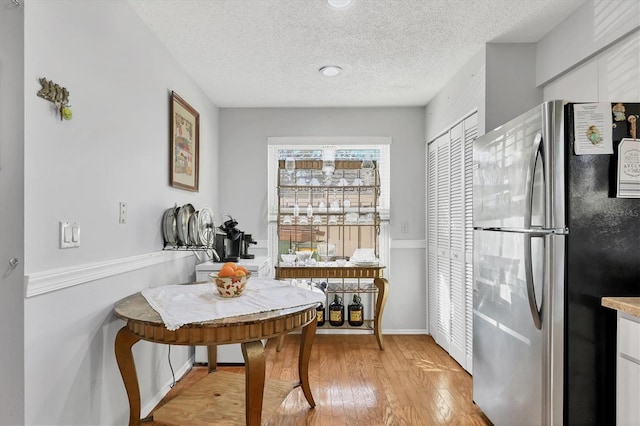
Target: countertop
<point>629,305</point>
<point>251,264</point>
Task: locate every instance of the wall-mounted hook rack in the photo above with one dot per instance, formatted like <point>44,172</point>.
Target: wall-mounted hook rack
<point>56,94</point>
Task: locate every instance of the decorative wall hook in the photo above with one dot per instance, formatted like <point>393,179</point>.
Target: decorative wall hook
<point>58,95</point>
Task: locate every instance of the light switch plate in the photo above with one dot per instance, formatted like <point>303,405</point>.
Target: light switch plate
<point>69,235</point>
<point>75,234</point>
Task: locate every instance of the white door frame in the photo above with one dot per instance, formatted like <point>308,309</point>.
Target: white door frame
<point>12,397</point>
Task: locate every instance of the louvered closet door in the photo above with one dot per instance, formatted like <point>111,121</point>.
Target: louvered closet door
<point>443,279</point>
<point>470,134</point>
<point>450,240</point>
<point>458,318</point>
<point>432,236</point>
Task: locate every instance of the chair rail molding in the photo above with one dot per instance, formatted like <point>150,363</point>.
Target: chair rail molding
<point>408,244</point>
<point>38,283</point>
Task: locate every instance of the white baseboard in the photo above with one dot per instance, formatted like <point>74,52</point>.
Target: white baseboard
<point>146,408</point>
<point>343,331</point>
<point>405,331</point>
<point>366,331</point>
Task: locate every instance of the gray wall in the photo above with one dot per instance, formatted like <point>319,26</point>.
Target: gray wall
<point>243,184</point>
<point>510,82</point>
<point>114,149</point>
<point>243,146</point>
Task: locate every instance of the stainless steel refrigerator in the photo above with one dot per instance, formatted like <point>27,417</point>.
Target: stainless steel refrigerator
<point>550,239</point>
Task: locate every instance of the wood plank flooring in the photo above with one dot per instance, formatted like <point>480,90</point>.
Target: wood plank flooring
<point>411,382</point>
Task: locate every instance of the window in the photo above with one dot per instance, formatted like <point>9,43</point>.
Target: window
<point>346,149</point>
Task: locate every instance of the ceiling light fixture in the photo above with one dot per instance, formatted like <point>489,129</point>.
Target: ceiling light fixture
<point>330,70</point>
<point>339,4</point>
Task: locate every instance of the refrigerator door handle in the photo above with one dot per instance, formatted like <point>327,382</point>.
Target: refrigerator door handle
<point>536,313</point>
<point>537,152</point>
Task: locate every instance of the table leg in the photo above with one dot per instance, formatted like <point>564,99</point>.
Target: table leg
<point>212,357</point>
<point>280,342</point>
<point>124,357</point>
<point>383,287</point>
<point>308,334</point>
<point>254,360</point>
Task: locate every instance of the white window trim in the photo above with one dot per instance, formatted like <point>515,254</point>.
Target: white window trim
<point>383,143</point>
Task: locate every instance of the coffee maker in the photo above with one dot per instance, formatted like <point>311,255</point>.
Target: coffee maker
<point>247,240</point>
<point>228,241</point>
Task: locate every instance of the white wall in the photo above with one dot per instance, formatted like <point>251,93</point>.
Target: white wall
<point>464,93</point>
<point>591,29</point>
<point>243,188</point>
<point>613,75</point>
<point>11,220</point>
<point>115,149</point>
<point>498,82</point>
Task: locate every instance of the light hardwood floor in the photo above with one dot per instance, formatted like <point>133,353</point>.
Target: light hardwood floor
<point>411,382</point>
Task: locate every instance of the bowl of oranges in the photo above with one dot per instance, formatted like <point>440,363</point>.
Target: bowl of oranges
<point>231,279</point>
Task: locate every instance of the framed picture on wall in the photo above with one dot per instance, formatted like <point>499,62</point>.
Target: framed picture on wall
<point>184,149</point>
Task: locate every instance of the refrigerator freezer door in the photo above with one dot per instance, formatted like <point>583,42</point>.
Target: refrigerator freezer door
<point>508,363</point>
<point>504,163</point>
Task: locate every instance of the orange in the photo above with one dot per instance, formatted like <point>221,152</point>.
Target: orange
<point>231,264</point>
<point>243,269</point>
<point>240,273</point>
<point>226,271</point>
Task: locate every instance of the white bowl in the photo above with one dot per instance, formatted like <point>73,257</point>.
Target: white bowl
<point>288,258</point>
<point>326,250</point>
<point>230,286</point>
<point>303,256</point>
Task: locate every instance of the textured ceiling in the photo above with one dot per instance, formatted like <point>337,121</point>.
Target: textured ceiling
<point>266,53</point>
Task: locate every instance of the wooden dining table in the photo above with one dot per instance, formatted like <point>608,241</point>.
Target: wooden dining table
<point>215,398</point>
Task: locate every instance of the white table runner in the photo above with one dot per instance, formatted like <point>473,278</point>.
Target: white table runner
<point>183,304</point>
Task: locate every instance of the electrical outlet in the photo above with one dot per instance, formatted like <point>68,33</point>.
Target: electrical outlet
<point>123,212</point>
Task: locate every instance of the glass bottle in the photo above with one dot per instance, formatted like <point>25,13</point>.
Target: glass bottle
<point>356,312</point>
<point>367,169</point>
<point>320,314</point>
<point>336,312</point>
<point>290,168</point>
<point>328,162</point>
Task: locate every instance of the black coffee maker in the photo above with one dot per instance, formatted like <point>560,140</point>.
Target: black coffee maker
<point>247,240</point>
<point>229,241</point>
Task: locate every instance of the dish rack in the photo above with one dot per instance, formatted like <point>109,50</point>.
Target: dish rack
<point>333,216</point>
<point>185,228</point>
